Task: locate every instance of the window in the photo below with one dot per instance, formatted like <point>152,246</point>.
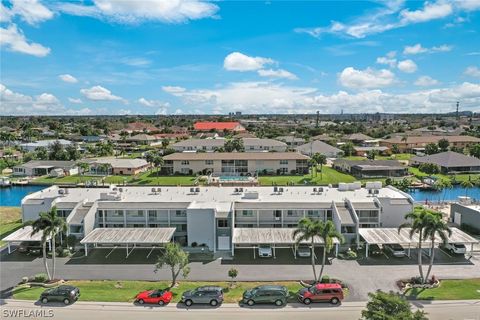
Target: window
<point>283,161</point>
<point>135,213</point>
<point>180,227</point>
<point>247,213</point>
<point>209,162</point>
<point>181,213</point>
<point>185,162</point>
<point>223,223</point>
<point>185,170</point>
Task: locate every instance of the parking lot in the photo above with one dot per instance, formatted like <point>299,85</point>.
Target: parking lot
<point>283,256</point>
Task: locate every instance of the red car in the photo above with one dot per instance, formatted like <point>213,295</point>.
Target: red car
<point>160,297</point>
<point>320,292</point>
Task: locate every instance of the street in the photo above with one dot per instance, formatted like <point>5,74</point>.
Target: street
<point>18,309</point>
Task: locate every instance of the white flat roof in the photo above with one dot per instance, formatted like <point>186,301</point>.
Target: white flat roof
<point>392,236</point>
<point>129,236</point>
<point>290,194</point>
<point>24,234</point>
<point>267,236</point>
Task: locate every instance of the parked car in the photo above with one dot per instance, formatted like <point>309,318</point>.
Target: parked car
<point>456,248</point>
<point>321,292</point>
<point>304,251</point>
<point>396,250</point>
<point>30,247</point>
<point>374,250</point>
<point>64,293</point>
<point>266,294</point>
<point>204,295</point>
<point>265,251</point>
<point>160,297</point>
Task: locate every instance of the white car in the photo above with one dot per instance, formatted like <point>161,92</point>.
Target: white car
<point>456,248</point>
<point>304,252</point>
<point>265,251</point>
<point>396,250</point>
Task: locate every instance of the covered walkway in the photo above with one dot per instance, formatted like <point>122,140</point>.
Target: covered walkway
<point>130,238</point>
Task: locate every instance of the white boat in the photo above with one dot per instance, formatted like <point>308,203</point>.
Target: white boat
<point>4,182</point>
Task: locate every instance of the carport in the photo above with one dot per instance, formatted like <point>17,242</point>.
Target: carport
<point>278,238</point>
<point>23,235</point>
<point>386,236</point>
<point>129,238</point>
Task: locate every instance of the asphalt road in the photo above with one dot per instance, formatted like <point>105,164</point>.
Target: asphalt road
<point>16,309</point>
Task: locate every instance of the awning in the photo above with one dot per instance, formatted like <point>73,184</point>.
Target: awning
<point>242,236</point>
<point>392,236</point>
<point>129,236</point>
<point>24,234</point>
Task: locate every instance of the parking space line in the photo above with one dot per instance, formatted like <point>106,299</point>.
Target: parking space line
<point>441,249</point>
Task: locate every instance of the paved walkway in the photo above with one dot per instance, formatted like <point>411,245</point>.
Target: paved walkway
<point>362,277</point>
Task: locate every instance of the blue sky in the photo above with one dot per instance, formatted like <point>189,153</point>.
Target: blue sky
<point>175,56</point>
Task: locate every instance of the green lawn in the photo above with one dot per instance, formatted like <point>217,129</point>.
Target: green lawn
<point>109,291</point>
<point>458,177</point>
<point>328,176</point>
<point>151,178</point>
<point>10,220</point>
<point>449,290</point>
<point>398,156</point>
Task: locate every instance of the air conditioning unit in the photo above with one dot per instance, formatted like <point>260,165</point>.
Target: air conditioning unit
<point>159,189</point>
<point>197,189</point>
<point>154,190</point>
<point>120,189</point>
<point>314,189</point>
<point>320,189</point>
<point>192,190</point>
<point>66,190</point>
<point>240,189</point>
<point>275,189</point>
<point>280,190</point>
<point>236,190</point>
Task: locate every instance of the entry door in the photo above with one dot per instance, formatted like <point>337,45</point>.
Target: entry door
<point>224,243</point>
<point>457,218</point>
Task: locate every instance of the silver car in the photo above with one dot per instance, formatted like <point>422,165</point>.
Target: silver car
<point>304,251</point>
<point>265,251</point>
<point>203,295</point>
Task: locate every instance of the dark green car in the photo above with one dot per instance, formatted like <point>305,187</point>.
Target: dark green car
<point>65,294</point>
<point>266,294</point>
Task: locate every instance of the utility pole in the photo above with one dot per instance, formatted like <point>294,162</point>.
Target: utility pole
<point>318,116</point>
<point>458,103</point>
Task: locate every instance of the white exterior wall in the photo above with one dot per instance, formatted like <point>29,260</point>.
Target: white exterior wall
<point>392,216</point>
<point>201,227</point>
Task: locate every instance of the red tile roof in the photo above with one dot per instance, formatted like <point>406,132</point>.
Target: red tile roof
<point>210,125</point>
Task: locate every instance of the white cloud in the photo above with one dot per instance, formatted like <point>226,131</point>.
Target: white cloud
<point>391,16</point>
<point>425,81</point>
<point>407,66</point>
<point>133,12</point>
<point>68,78</point>
<point>430,11</point>
<point>472,71</point>
<point>237,61</point>
<point>14,40</point>
<point>99,93</point>
<point>124,112</point>
<point>14,103</point>
<point>74,100</point>
<point>136,62</point>
<point>366,79</point>
<point>31,11</point>
<point>265,97</point>
<point>388,59</point>
<point>153,103</point>
<point>417,48</point>
<point>173,89</point>
<point>279,73</point>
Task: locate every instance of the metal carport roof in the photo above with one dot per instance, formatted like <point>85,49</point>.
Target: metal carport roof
<point>24,234</point>
<point>392,236</point>
<point>129,236</point>
<point>267,236</point>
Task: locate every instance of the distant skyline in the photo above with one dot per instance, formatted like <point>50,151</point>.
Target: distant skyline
<point>197,57</point>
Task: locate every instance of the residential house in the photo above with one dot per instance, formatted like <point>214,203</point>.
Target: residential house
<point>418,143</point>
<point>371,168</point>
<point>449,162</point>
<point>117,166</point>
<point>357,138</point>
<point>317,146</point>
<point>44,167</point>
<point>31,146</point>
<point>232,126</point>
<point>291,141</point>
<point>140,127</point>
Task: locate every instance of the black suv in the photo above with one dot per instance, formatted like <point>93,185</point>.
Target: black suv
<point>65,294</point>
<point>30,247</point>
<point>207,295</point>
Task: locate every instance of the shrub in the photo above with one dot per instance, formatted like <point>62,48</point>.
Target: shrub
<point>194,244</point>
<point>24,279</point>
<point>40,277</point>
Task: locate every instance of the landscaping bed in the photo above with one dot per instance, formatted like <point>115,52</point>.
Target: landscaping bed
<point>464,289</point>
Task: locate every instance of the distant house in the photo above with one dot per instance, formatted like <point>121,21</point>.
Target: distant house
<point>371,168</point>
<point>363,151</point>
<point>317,146</point>
<point>232,126</point>
<point>117,166</point>
<point>449,162</point>
<point>45,167</point>
<point>31,146</point>
<point>140,127</point>
<point>291,141</point>
<point>357,138</point>
<point>323,137</point>
<point>418,143</point>
<point>235,163</point>
<point>142,139</point>
<point>12,155</point>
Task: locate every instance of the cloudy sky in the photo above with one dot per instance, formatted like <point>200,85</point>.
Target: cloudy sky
<point>191,56</point>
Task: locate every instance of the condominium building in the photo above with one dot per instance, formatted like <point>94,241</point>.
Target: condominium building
<point>212,215</point>
<point>210,145</point>
<point>235,163</point>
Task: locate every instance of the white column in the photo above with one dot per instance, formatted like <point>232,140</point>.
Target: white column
<point>258,218</point>
<point>9,251</point>
<point>366,250</point>
<point>336,249</point>
<point>86,249</point>
<point>50,245</point>
<point>274,255</point>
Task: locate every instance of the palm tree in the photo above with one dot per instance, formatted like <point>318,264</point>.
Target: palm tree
<point>467,184</point>
<point>158,162</point>
<point>310,230</point>
<point>51,224</point>
<point>38,226</point>
<point>435,226</point>
<point>418,219</point>
<point>320,159</point>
